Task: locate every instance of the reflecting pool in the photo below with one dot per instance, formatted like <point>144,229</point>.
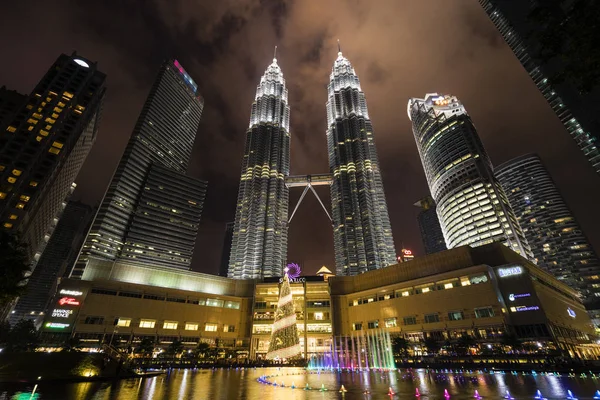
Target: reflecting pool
<point>297,384</point>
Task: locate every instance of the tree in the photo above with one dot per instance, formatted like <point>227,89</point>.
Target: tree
<point>432,345</point>
<point>175,348</point>
<point>13,268</point>
<point>511,340</point>
<point>400,346</point>
<point>285,343</point>
<point>23,336</point>
<point>464,343</point>
<point>145,347</point>
<point>202,350</point>
<point>72,344</point>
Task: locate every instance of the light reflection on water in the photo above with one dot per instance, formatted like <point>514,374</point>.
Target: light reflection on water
<point>242,385</point>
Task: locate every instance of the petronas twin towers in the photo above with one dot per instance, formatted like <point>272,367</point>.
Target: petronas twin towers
<point>362,232</point>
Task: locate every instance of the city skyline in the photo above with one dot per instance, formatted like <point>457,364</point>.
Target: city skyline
<point>387,79</point>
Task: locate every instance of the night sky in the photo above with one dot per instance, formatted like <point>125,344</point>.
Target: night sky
<point>399,49</point>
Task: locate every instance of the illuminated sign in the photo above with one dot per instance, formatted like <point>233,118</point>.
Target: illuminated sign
<point>295,280</point>
<point>82,63</point>
<point>56,325</point>
<point>513,297</point>
<point>406,252</point>
<point>71,292</point>
<point>68,301</point>
<point>511,271</point>
<point>188,79</point>
<point>292,270</point>
<point>61,313</point>
<point>571,313</point>
<point>524,308</point>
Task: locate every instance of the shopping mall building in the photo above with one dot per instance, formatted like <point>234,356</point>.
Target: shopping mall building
<point>483,292</point>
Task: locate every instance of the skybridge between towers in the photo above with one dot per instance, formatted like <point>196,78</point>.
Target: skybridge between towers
<point>307,182</point>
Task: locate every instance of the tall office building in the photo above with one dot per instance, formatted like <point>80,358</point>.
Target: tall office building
<point>43,145</point>
<point>56,260</point>
<point>226,251</point>
<point>151,210</point>
<point>556,239</point>
<point>10,102</point>
<point>361,226</point>
<point>577,111</point>
<point>471,205</point>
<point>429,225</point>
<point>259,244</point>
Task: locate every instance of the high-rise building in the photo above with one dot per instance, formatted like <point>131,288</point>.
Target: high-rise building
<point>10,102</point>
<point>226,251</point>
<point>429,225</point>
<point>43,145</point>
<point>471,205</point>
<point>556,239</point>
<point>361,225</point>
<point>577,111</point>
<point>56,261</point>
<point>151,210</point>
<point>259,244</point>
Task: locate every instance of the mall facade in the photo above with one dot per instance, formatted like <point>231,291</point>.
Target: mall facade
<point>484,292</point>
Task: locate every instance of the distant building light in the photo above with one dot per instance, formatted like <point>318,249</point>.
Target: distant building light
<point>511,271</point>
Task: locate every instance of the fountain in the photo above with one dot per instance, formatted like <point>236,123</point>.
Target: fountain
<point>366,350</point>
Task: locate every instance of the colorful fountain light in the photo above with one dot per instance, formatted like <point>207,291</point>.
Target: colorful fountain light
<point>508,396</point>
<point>477,396</point>
<point>597,395</point>
<point>292,270</point>
<point>538,396</point>
<point>446,394</point>
<point>570,396</point>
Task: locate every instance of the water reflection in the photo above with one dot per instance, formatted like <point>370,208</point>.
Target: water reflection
<point>242,385</point>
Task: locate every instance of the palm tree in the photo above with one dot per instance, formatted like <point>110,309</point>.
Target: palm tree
<point>511,340</point>
<point>465,342</point>
<point>432,345</point>
<point>400,346</point>
<point>145,347</point>
<point>175,348</point>
<point>202,349</point>
<point>13,267</point>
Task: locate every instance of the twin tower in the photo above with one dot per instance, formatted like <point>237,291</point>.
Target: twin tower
<point>361,225</point>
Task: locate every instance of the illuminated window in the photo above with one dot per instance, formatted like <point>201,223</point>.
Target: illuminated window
<point>53,150</point>
<point>32,121</point>
<point>455,315</point>
<point>357,326</point>
<point>485,312</point>
<point>191,326</point>
<point>30,128</point>
<point>24,198</point>
<point>50,120</point>
<point>61,104</point>
<point>147,323</point>
<point>229,328</point>
<point>405,293</point>
<point>210,327</point>
<point>33,183</point>
<point>2,168</point>
<point>37,116</point>
<point>170,325</point>
<point>13,216</point>
<point>16,172</point>
<point>373,324</point>
<point>11,179</point>
<point>20,206</point>
<point>43,132</point>
<point>29,107</point>
<point>390,322</point>
<point>57,109</point>
<point>54,115</point>
<point>431,318</point>
<point>124,322</point>
<point>319,315</point>
<point>448,286</point>
<point>68,95</point>
<point>8,225</point>
<point>11,129</point>
<point>58,145</point>
<point>39,138</point>
<point>2,195</point>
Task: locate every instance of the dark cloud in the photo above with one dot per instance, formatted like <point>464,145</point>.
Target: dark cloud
<point>400,49</point>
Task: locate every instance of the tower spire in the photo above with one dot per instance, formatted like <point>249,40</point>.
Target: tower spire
<point>275,54</point>
<point>339,46</point>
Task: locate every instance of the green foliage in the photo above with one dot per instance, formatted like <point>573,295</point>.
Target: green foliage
<point>175,348</point>
<point>464,343</point>
<point>400,346</point>
<point>512,341</point>
<point>570,34</point>
<point>71,345</point>
<point>202,350</point>
<point>22,337</point>
<point>432,345</point>
<point>145,347</point>
<point>13,267</point>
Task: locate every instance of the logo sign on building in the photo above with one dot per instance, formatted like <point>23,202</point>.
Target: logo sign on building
<point>571,313</point>
<point>56,325</point>
<point>513,297</point>
<point>524,308</point>
<point>68,292</point>
<point>61,313</point>
<point>69,301</point>
<point>510,271</point>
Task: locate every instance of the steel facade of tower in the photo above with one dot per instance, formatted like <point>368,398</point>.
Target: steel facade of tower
<point>471,205</point>
<point>577,112</point>
<point>555,237</point>
<point>43,145</point>
<point>429,225</point>
<point>259,246</point>
<point>151,210</point>
<point>361,226</point>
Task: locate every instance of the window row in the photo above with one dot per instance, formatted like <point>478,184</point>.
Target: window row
<point>202,302</point>
<point>151,323</point>
<point>420,289</point>
<point>483,312</point>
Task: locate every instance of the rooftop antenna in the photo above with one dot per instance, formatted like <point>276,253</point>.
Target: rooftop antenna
<point>275,53</point>
<point>339,47</point>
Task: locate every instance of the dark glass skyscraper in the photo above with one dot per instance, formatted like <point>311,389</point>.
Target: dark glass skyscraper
<point>226,251</point>
<point>259,245</point>
<point>429,225</point>
<point>578,112</point>
<point>556,239</point>
<point>151,210</point>
<point>43,144</point>
<point>471,205</point>
<point>56,260</point>
<point>361,226</point>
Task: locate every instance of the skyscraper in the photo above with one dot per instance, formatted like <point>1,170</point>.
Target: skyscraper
<point>578,112</point>
<point>56,260</point>
<point>10,102</point>
<point>226,252</point>
<point>556,239</point>
<point>151,210</point>
<point>43,145</point>
<point>259,244</point>
<point>361,226</point>
<point>429,225</point>
<point>471,205</point>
